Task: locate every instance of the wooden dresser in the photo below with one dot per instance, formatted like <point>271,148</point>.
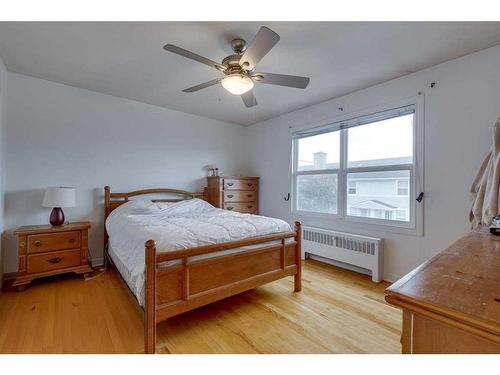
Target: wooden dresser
<point>44,250</point>
<point>451,304</point>
<point>239,194</point>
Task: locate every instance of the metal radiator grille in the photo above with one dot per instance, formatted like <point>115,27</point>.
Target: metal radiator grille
<point>343,242</point>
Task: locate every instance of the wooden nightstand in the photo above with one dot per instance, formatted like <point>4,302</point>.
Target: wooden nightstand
<point>45,250</point>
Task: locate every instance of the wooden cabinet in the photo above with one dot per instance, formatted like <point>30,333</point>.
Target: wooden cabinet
<point>234,193</point>
<point>451,303</point>
<point>44,250</point>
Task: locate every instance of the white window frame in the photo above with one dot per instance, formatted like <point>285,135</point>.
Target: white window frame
<point>415,185</point>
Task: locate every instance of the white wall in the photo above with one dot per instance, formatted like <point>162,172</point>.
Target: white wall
<point>57,134</point>
<point>460,112</point>
<point>61,135</point>
<point>3,95</point>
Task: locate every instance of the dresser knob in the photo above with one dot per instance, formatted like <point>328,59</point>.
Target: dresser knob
<point>250,184</point>
<point>230,184</point>
<point>71,240</point>
<point>250,195</point>
<point>249,206</point>
<point>230,208</point>
<point>38,243</point>
<point>230,196</point>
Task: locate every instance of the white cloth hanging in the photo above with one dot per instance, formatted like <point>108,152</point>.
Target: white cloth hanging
<point>485,188</point>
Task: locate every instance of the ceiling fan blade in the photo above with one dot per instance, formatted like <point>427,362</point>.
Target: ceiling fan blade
<point>259,47</point>
<point>281,80</point>
<point>202,85</point>
<point>249,99</point>
<point>193,56</point>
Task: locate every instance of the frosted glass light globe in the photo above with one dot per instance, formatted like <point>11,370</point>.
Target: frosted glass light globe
<point>237,84</point>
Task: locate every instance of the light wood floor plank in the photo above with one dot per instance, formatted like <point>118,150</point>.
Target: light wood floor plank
<point>338,311</point>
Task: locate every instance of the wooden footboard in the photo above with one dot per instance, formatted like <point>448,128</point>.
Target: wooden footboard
<point>173,289</point>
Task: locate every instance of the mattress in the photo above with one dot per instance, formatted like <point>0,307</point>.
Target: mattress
<point>175,226</point>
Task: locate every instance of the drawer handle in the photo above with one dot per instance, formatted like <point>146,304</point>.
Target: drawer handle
<point>71,240</point>
<point>249,195</point>
<point>230,196</point>
<point>55,260</point>
<point>230,208</point>
<point>38,243</point>
<point>230,183</point>
<point>249,206</point>
<point>250,184</point>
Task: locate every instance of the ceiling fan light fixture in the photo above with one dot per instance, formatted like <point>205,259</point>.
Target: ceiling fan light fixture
<point>237,84</point>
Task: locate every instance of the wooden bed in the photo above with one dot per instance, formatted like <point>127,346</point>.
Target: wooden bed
<point>182,287</point>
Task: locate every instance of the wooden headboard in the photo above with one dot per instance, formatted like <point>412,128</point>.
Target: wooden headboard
<point>114,200</point>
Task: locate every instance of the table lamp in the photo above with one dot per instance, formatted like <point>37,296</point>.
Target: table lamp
<point>58,197</point>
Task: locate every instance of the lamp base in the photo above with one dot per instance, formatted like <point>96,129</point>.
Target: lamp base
<point>57,217</point>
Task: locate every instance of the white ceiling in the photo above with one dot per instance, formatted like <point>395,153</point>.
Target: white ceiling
<point>127,60</point>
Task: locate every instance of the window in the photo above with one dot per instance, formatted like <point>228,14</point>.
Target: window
<point>318,159</point>
<point>319,152</point>
<point>317,193</point>
<point>359,169</point>
<point>402,187</point>
<point>351,188</point>
<point>375,191</point>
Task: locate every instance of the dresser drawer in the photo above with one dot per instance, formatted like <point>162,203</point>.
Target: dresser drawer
<point>53,260</point>
<point>241,207</point>
<point>239,196</point>
<point>38,243</point>
<point>234,184</point>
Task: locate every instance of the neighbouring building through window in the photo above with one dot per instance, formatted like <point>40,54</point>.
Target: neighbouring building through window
<point>371,178</point>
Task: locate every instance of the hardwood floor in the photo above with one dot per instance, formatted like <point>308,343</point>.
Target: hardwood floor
<point>338,311</point>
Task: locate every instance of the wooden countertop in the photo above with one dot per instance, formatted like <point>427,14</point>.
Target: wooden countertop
<point>461,283</point>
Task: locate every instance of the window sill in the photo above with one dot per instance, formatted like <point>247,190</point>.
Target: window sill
<point>357,225</point>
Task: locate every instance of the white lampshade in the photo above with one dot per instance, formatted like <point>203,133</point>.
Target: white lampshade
<point>59,197</point>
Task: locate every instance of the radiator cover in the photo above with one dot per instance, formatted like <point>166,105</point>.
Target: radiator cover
<point>346,248</point>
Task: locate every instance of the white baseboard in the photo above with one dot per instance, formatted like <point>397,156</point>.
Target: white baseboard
<point>350,267</point>
<point>388,278</point>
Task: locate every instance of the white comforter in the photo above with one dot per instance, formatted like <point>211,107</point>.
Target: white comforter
<point>174,226</point>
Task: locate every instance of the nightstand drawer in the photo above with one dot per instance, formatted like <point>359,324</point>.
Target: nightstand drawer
<point>234,184</point>
<point>241,207</point>
<point>239,196</point>
<point>53,260</point>
<point>38,243</point>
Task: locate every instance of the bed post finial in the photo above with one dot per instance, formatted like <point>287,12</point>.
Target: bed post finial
<point>150,299</point>
<point>107,196</point>
<point>298,257</point>
<point>107,207</point>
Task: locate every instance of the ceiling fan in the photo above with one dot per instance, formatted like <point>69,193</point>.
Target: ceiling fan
<point>239,67</point>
